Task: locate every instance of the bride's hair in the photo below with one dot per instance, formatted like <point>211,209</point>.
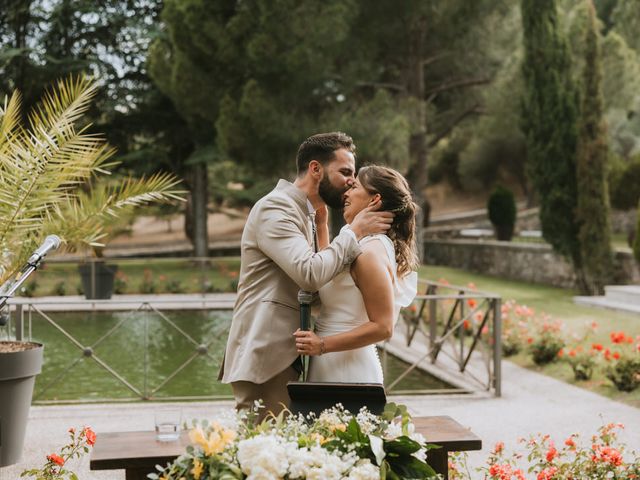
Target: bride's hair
<point>396,197</point>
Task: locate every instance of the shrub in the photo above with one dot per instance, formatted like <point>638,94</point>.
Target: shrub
<point>174,286</point>
<point>546,343</point>
<point>602,457</point>
<point>148,284</point>
<point>636,240</point>
<point>581,361</point>
<point>60,288</point>
<point>120,282</point>
<point>624,183</point>
<point>501,208</point>
<point>623,367</point>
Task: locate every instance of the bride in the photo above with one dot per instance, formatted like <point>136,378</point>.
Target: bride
<point>360,305</point>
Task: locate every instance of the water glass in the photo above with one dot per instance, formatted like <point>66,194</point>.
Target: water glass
<point>168,424</point>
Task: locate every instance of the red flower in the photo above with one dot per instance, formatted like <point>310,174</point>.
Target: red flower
<point>499,447</point>
<point>472,303</point>
<point>547,473</point>
<point>56,459</point>
<point>570,443</point>
<point>551,453</point>
<point>616,355</point>
<point>618,337</point>
<point>90,435</point>
<point>597,346</point>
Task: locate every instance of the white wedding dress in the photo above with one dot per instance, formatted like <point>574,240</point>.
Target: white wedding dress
<point>343,310</point>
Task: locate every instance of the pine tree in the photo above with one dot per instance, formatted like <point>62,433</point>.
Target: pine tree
<point>549,122</point>
<point>593,198</point>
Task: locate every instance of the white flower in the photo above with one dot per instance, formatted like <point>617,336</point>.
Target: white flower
<point>263,457</point>
<point>365,470</point>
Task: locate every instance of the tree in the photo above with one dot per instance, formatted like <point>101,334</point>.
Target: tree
<point>44,166</point>
<point>549,122</point>
<point>593,200</point>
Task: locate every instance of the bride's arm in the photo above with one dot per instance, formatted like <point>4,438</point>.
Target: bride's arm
<point>371,272</point>
<point>322,227</point>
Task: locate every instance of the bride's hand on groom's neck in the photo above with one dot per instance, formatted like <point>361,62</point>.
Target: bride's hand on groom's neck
<point>371,221</point>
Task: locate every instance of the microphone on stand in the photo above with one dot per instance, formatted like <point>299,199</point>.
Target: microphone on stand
<point>52,242</point>
<point>8,288</point>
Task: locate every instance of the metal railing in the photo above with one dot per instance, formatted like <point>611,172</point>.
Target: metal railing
<point>458,330</point>
<point>443,329</point>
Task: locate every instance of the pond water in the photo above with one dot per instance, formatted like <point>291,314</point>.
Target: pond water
<point>144,349</point>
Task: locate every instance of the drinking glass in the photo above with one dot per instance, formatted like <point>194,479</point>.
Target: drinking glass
<point>168,424</point>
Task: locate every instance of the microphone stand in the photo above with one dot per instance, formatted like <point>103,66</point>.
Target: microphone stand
<point>9,287</point>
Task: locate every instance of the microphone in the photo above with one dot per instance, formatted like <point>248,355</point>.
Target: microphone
<point>304,299</point>
<point>52,242</point>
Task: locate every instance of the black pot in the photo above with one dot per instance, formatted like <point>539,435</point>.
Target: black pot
<point>18,372</point>
<point>97,280</point>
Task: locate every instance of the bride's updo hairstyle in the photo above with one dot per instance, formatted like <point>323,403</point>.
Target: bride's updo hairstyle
<point>396,197</point>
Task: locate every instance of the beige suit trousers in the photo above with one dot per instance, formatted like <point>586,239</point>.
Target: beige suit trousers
<point>273,392</point>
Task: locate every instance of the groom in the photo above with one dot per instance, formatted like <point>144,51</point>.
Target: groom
<point>278,259</point>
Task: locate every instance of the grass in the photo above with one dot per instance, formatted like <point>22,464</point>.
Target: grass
<point>558,303</point>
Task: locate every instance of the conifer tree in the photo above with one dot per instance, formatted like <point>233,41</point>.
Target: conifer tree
<point>593,198</point>
<point>549,122</point>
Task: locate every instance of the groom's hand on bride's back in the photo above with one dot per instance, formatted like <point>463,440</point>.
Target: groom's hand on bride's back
<point>371,221</point>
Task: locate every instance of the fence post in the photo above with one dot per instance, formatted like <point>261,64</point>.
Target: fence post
<point>433,327</point>
<point>497,347</point>
<point>19,323</point>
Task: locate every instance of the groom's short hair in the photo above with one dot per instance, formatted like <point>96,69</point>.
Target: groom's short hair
<point>322,147</point>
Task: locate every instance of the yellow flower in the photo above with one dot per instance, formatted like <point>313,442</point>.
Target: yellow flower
<point>318,437</point>
<point>197,469</point>
<point>340,426</point>
<point>215,442</point>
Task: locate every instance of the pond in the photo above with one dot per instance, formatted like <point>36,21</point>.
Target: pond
<point>146,354</point>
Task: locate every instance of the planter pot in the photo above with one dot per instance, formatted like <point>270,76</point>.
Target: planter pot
<point>20,362</point>
<point>104,275</point>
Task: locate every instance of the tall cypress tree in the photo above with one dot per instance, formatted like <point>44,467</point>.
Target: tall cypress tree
<point>549,122</point>
<point>593,198</point>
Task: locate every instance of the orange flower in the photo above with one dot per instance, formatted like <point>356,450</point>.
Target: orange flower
<point>499,447</point>
<point>597,346</point>
<point>616,355</point>
<point>56,459</point>
<point>570,443</point>
<point>472,303</point>
<point>90,435</point>
<point>551,453</point>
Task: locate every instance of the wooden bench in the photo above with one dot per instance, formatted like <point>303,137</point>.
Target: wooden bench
<point>139,452</point>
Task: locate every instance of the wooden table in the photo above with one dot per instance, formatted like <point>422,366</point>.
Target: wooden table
<point>139,452</point>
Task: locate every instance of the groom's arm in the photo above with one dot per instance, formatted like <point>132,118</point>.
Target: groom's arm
<point>282,239</point>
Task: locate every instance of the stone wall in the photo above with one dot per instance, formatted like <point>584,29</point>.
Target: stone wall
<point>530,262</point>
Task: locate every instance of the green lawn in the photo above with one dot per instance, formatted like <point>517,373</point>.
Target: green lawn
<point>558,303</point>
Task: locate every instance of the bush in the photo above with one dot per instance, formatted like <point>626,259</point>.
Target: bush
<point>624,183</point>
<point>501,208</point>
<point>636,240</point>
<point>60,288</point>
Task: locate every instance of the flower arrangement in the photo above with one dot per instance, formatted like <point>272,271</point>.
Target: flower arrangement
<point>604,457</point>
<point>80,441</point>
<point>334,445</point>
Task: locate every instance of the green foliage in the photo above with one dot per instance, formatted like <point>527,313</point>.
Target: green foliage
<point>549,121</point>
<point>636,241</point>
<point>592,211</point>
<point>624,183</point>
<point>501,207</point>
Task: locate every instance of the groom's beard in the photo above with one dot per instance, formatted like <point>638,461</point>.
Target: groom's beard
<point>331,195</point>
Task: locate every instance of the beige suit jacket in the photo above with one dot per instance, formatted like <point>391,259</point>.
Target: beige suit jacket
<point>277,260</point>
